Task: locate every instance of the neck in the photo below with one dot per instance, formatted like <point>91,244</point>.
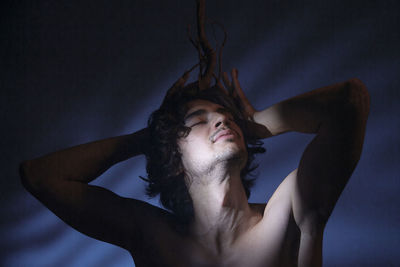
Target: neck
<point>221,209</point>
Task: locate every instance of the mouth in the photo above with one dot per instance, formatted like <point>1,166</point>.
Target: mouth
<point>222,134</point>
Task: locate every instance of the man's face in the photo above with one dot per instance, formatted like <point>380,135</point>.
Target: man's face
<point>214,138</point>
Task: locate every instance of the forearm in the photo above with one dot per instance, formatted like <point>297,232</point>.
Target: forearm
<point>326,106</point>
<point>84,162</point>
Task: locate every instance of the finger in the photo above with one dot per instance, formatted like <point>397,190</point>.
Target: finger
<point>236,85</point>
<point>225,79</point>
<point>179,84</point>
<point>221,87</point>
<point>235,80</point>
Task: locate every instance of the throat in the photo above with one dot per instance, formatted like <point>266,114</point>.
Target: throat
<point>222,213</point>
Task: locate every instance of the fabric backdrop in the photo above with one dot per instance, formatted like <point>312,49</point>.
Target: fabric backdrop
<point>77,71</point>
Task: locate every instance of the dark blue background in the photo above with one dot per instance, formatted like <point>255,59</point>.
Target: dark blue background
<point>77,71</point>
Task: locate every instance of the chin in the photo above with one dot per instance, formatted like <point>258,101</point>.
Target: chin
<point>233,153</point>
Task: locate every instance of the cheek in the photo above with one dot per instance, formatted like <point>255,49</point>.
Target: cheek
<point>193,149</point>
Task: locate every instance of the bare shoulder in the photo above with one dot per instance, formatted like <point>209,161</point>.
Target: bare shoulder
<point>278,209</point>
<point>277,234</point>
<point>281,198</point>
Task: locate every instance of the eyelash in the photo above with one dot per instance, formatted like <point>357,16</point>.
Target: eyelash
<point>197,123</point>
<point>203,122</point>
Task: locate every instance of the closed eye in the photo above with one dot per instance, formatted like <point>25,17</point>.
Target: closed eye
<point>198,123</point>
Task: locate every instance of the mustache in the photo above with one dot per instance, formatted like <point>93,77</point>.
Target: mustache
<point>211,138</point>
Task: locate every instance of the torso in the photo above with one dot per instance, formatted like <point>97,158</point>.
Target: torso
<point>275,240</point>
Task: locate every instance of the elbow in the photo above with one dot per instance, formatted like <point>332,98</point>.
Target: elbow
<point>26,175</point>
<point>356,86</point>
<point>358,97</point>
<point>23,174</point>
<point>28,179</point>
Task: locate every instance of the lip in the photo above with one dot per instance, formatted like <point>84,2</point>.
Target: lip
<point>223,133</point>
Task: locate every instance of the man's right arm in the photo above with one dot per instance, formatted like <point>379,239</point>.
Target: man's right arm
<point>60,181</point>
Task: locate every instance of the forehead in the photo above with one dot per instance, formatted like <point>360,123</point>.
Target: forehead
<point>202,104</point>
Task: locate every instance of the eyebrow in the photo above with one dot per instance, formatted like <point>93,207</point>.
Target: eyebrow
<point>201,111</point>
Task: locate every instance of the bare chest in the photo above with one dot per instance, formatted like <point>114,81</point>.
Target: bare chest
<point>273,244</point>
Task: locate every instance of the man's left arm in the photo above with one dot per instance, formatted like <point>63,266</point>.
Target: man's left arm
<point>337,114</point>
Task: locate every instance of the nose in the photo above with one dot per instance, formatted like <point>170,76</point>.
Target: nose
<point>221,120</point>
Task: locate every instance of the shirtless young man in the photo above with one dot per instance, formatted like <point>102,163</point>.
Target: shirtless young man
<point>223,229</point>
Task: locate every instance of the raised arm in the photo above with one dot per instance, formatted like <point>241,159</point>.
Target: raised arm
<point>337,114</point>
<point>83,163</point>
<point>60,181</point>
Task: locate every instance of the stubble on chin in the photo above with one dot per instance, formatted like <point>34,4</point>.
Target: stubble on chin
<point>232,156</point>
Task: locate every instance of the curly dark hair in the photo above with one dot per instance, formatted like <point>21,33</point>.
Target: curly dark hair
<point>164,166</point>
